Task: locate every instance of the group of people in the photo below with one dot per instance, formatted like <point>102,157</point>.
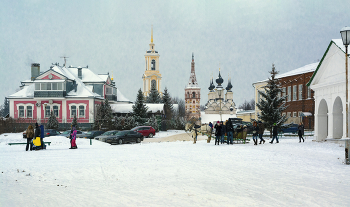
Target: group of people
<point>37,135</point>
<point>258,131</point>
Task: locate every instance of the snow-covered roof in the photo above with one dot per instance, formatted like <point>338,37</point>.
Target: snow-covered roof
<point>127,108</point>
<point>206,118</point>
<point>121,97</point>
<point>87,74</point>
<point>26,92</point>
<point>305,69</point>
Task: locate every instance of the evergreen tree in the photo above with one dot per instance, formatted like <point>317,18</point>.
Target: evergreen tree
<point>152,121</point>
<point>154,96</point>
<point>52,123</point>
<point>75,122</point>
<point>168,106</point>
<point>4,108</point>
<point>139,109</point>
<point>271,105</point>
<point>104,116</point>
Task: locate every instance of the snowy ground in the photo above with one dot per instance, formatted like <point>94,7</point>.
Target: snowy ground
<point>173,174</point>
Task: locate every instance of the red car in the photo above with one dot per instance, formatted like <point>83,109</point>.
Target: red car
<point>146,131</point>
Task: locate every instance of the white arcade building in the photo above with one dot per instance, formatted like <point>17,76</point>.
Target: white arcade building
<point>328,83</point>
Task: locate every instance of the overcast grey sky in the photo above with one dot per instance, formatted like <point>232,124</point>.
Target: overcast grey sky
<point>244,36</point>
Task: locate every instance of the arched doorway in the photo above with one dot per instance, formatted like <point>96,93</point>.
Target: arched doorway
<point>337,118</point>
<point>322,119</point>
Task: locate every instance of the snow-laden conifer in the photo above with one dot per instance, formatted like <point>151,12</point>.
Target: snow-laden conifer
<point>75,122</point>
<point>271,105</point>
<point>139,109</point>
<point>52,122</point>
<point>168,105</point>
<point>154,97</point>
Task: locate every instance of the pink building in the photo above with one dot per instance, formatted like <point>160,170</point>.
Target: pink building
<point>67,91</point>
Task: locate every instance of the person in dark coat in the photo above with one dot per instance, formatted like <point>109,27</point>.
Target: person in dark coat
<point>274,133</point>
<point>30,136</point>
<point>223,132</point>
<point>255,133</point>
<point>229,131</point>
<point>301,131</point>
<point>38,133</point>
<point>210,131</point>
<point>218,131</point>
<point>261,132</point>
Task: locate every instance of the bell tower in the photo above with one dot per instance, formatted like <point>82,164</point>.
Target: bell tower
<point>152,77</point>
<point>192,95</point>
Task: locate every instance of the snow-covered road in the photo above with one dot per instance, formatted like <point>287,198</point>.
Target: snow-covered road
<point>173,174</point>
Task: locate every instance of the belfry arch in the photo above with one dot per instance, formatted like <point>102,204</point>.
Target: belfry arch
<point>337,118</point>
<point>322,118</point>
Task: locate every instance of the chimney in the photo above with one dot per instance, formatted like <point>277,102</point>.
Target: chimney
<point>80,73</point>
<point>35,69</point>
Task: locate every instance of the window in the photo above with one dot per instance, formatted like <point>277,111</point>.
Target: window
<point>299,113</point>
<point>194,102</point>
<point>55,110</point>
<point>300,92</point>
<point>153,65</point>
<point>21,111</point>
<point>37,86</point>
<point>289,93</point>
<point>47,111</point>
<point>283,91</point>
<point>295,114</point>
<point>108,90</point>
<point>73,111</point>
<point>29,112</point>
<point>284,114</point>
<point>308,92</point>
<point>193,94</point>
<point>153,84</point>
<point>81,111</point>
<point>54,86</point>
<point>294,92</point>
<point>288,114</point>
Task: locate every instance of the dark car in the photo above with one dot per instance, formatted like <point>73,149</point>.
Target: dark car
<point>146,131</point>
<point>51,132</point>
<point>289,128</point>
<point>125,137</point>
<point>90,135</point>
<point>105,135</point>
<point>67,133</point>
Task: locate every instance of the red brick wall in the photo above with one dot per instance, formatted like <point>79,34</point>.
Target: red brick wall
<point>303,105</point>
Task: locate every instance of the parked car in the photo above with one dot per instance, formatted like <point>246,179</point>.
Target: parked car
<point>105,135</point>
<point>125,137</point>
<point>146,131</point>
<point>67,133</point>
<point>289,128</point>
<point>51,132</point>
<point>90,135</point>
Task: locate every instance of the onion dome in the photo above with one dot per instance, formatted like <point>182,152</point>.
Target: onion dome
<point>211,87</point>
<point>219,80</point>
<point>229,85</point>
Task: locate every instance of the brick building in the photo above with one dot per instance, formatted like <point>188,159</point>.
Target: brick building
<point>299,97</point>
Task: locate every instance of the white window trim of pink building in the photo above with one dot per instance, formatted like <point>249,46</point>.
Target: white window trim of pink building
<point>77,110</point>
<point>51,109</point>
<point>25,109</point>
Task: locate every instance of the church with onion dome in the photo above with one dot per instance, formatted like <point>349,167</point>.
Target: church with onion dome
<point>220,100</point>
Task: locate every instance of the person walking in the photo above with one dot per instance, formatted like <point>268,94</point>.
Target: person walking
<point>261,132</point>
<point>218,129</point>
<point>210,131</point>
<point>223,132</point>
<point>255,133</point>
<point>229,130</point>
<point>74,136</point>
<point>30,136</point>
<point>301,131</point>
<point>274,133</point>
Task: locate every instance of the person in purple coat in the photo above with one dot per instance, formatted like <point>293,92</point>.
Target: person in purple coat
<point>73,141</point>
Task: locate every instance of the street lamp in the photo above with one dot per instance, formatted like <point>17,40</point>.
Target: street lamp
<point>345,35</point>
<point>219,93</point>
